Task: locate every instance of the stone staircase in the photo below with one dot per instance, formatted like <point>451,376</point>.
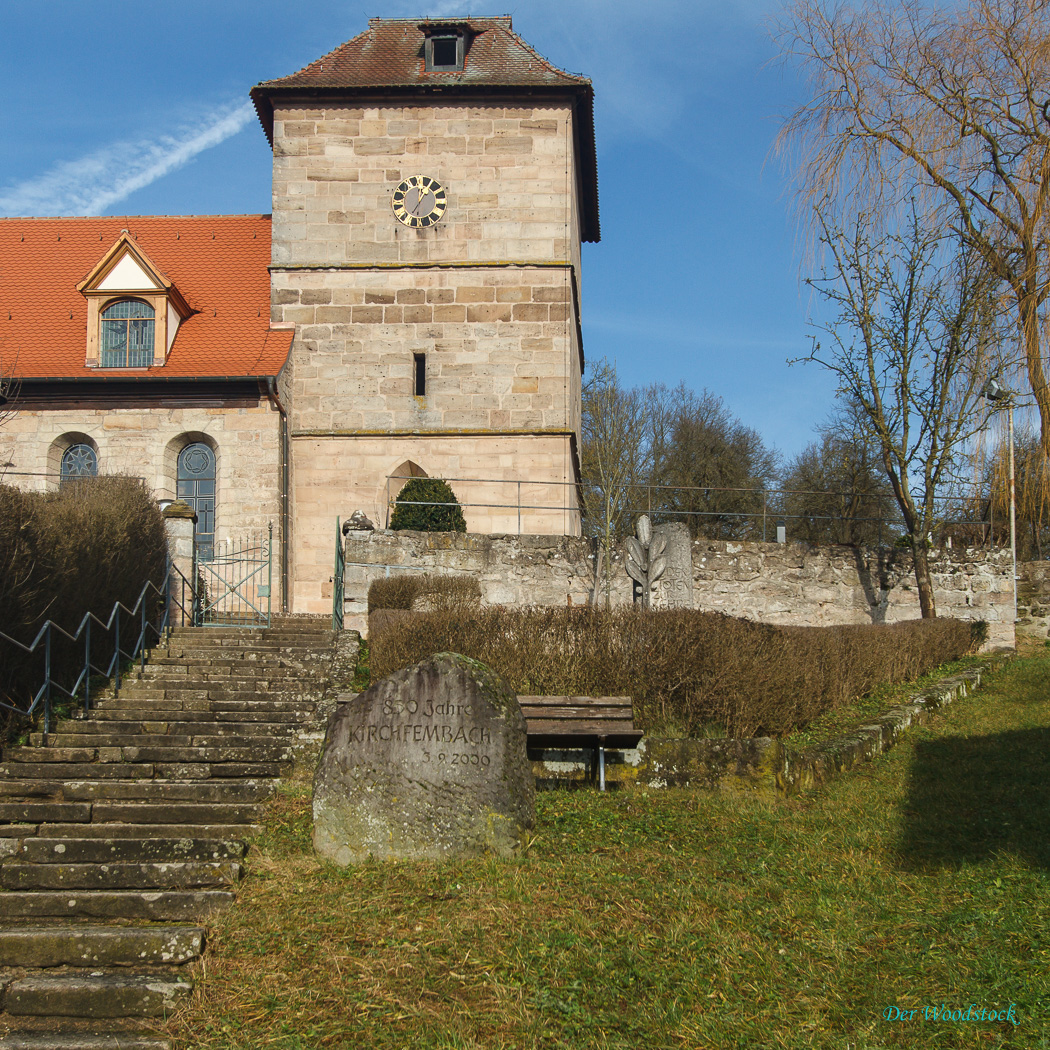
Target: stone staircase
<point>122,832</point>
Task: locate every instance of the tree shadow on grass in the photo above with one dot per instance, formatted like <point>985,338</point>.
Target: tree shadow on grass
<point>970,798</point>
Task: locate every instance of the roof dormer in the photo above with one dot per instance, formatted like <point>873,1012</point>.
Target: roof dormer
<point>133,309</point>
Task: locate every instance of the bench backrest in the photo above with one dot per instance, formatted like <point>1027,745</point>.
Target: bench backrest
<point>572,720</point>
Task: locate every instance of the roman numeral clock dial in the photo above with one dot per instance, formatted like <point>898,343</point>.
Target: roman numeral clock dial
<point>419,201</point>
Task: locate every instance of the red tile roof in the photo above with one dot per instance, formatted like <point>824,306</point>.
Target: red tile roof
<point>388,59</point>
<point>218,262</point>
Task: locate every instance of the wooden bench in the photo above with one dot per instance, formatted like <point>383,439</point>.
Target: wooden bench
<point>579,721</point>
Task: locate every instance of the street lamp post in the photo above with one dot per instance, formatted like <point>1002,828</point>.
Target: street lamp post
<point>995,391</point>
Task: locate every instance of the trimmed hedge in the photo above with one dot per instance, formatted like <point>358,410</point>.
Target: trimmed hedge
<point>428,505</point>
<point>405,591</point>
<point>86,547</point>
<point>687,672</point>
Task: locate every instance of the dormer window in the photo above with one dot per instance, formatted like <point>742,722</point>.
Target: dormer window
<point>133,310</point>
<point>126,336</point>
<point>445,51</point>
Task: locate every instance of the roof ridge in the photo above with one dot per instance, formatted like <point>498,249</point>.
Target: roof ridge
<point>128,218</point>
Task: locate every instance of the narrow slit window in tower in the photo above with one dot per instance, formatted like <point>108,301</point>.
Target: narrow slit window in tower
<point>420,374</point>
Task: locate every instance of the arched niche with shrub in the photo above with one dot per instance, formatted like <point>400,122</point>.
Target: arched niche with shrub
<point>427,505</point>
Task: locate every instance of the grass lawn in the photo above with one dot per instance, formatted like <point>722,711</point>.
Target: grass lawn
<point>677,918</point>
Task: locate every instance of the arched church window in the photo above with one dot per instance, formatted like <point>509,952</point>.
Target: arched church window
<point>78,461</point>
<point>127,335</point>
<point>196,486</point>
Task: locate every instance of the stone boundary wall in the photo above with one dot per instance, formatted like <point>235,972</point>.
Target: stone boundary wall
<point>1033,600</point>
<point>759,766</point>
<point>782,583</point>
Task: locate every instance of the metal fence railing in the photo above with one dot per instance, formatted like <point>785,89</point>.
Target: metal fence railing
<point>711,511</point>
<point>108,647</point>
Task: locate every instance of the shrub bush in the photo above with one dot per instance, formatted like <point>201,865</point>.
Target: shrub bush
<point>83,548</point>
<point>405,592</point>
<point>428,505</point>
<point>686,671</point>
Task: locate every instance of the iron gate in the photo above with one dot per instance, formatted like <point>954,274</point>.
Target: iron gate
<point>233,583</point>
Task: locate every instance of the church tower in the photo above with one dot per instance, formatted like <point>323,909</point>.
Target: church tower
<point>432,183</point>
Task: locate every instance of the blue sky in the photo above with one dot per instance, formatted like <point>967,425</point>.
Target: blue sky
<point>121,107</point>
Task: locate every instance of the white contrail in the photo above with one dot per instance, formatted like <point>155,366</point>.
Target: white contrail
<point>90,185</point>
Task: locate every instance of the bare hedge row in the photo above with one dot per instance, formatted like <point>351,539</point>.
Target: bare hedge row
<point>405,591</point>
<point>688,672</point>
<point>89,545</point>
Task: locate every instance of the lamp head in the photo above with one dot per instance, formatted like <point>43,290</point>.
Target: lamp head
<point>993,390</point>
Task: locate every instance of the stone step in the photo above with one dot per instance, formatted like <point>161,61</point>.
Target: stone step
<point>121,1040</point>
<point>147,790</point>
<point>302,696</point>
<point>37,770</point>
<point>169,698</point>
<point>87,995</point>
<point>50,754</point>
<point>152,905</point>
<point>113,831</point>
<point>83,945</point>
<point>45,850</point>
<point>147,727</point>
<point>41,812</point>
<point>220,770</point>
<point>164,753</point>
<point>138,770</point>
<point>165,711</point>
<point>123,742</point>
<point>189,813</point>
<point>165,875</point>
<point>206,669</point>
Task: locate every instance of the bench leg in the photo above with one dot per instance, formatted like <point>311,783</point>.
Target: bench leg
<point>601,767</point>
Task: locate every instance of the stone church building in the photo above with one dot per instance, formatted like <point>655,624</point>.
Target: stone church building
<point>411,307</point>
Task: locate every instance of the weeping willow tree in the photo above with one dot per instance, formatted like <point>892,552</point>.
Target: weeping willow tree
<point>947,105</point>
<point>1032,494</point>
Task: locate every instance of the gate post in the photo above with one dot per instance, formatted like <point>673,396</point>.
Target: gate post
<point>179,522</point>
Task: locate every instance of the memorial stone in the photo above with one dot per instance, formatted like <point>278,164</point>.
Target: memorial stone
<point>427,764</point>
<point>674,588</point>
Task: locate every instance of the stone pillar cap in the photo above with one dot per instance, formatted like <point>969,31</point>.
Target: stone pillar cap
<point>179,509</point>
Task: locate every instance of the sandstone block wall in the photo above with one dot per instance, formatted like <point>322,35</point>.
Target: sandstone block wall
<point>145,443</point>
<point>488,298</point>
<point>334,476</point>
<point>774,583</point>
<point>508,170</point>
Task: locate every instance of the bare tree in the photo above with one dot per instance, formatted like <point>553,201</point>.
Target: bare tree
<point>8,392</point>
<point>945,103</point>
<point>613,435</point>
<point>912,334</point>
<point>706,466</point>
<point>836,490</point>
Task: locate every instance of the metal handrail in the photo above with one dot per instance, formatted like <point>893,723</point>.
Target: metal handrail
<point>337,579</point>
<point>44,696</point>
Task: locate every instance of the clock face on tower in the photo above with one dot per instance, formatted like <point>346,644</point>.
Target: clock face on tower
<point>419,201</point>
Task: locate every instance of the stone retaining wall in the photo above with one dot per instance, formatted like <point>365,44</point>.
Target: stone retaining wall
<point>788,583</point>
<point>1033,600</point>
<point>760,765</point>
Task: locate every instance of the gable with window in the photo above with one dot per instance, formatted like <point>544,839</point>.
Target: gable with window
<point>134,310</point>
